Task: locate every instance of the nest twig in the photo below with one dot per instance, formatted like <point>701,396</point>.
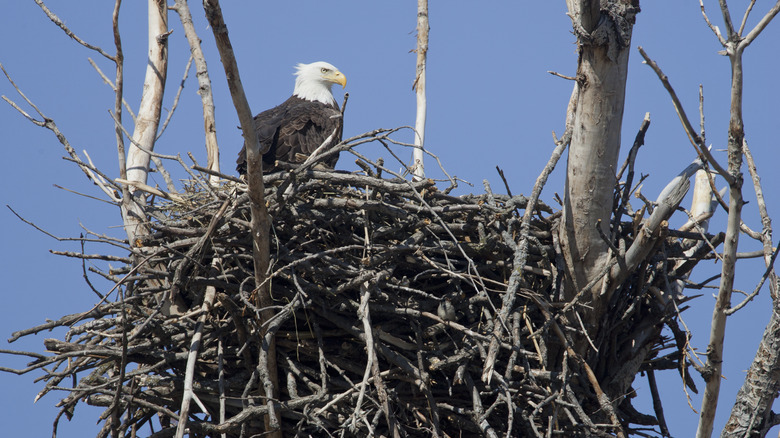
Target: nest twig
<point>386,295</point>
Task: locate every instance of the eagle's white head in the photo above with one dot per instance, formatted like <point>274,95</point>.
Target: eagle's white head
<point>314,80</point>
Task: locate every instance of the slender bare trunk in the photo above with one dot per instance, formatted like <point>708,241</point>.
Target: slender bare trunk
<point>204,87</point>
<point>147,120</point>
<point>418,167</point>
<point>736,135</point>
<point>752,410</point>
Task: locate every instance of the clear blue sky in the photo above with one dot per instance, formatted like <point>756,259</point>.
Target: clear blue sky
<point>490,102</point>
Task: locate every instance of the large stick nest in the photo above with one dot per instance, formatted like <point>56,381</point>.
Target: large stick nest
<point>361,265</point>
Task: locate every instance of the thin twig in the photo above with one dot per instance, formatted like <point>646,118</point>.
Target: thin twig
<point>56,20</point>
<point>701,148</point>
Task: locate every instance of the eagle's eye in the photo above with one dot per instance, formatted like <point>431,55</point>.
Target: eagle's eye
<point>323,70</point>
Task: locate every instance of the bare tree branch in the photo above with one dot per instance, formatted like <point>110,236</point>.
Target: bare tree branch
<point>694,138</point>
<point>260,219</point>
<point>521,252</point>
<point>52,126</point>
<point>119,60</point>
<point>56,20</point>
<point>712,27</point>
<point>111,84</point>
<point>724,9</point>
<point>712,374</point>
<point>175,99</point>
<point>765,20</point>
<point>204,86</point>
<point>745,17</point>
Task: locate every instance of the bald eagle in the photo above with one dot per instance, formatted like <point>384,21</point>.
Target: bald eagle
<point>293,130</point>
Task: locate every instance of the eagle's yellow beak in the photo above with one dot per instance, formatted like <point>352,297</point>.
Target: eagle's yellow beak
<point>337,77</point>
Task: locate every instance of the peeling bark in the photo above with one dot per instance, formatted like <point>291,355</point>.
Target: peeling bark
<point>604,39</point>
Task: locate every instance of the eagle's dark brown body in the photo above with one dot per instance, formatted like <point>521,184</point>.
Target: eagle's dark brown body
<point>291,131</point>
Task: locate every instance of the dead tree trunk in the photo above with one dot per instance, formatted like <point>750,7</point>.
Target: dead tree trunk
<point>751,412</point>
<point>603,39</point>
<point>147,121</point>
<point>418,167</point>
<point>135,169</point>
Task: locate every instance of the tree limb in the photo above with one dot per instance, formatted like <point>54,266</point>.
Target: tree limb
<point>204,86</point>
<point>260,223</point>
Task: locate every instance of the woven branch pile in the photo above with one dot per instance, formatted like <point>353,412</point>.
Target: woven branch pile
<point>388,294</point>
